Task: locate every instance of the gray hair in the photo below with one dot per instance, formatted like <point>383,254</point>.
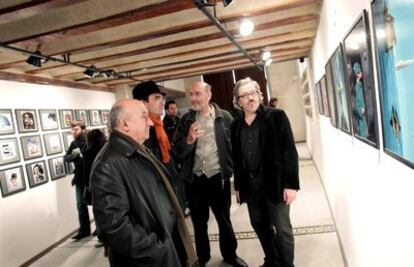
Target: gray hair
<point>242,83</point>
<point>115,115</point>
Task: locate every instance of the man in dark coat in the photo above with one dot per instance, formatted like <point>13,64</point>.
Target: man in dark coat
<point>265,171</point>
<point>136,211</point>
<point>171,118</point>
<point>74,154</point>
<point>203,143</point>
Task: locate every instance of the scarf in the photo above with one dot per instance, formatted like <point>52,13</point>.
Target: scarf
<point>162,138</point>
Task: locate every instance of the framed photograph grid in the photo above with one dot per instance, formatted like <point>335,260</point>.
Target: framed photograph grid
<point>12,181</point>
<point>6,122</point>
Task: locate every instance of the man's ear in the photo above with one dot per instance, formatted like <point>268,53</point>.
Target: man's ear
<point>124,125</point>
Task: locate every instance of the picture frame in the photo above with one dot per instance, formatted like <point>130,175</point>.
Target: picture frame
<point>12,181</point>
<point>37,173</point>
<point>31,146</point>
<point>94,117</point>
<point>324,93</point>
<point>9,151</point>
<point>359,66</point>
<point>105,117</point>
<point>339,87</point>
<point>318,95</point>
<point>27,120</point>
<point>66,117</point>
<point>53,143</point>
<point>330,94</point>
<point>6,122</point>
<point>82,115</point>
<point>48,119</point>
<point>56,168</point>
<point>393,33</point>
<point>67,139</point>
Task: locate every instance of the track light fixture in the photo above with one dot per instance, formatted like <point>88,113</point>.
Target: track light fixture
<point>36,59</point>
<point>268,62</point>
<point>246,28</point>
<point>90,72</point>
<point>228,2</point>
<point>265,54</point>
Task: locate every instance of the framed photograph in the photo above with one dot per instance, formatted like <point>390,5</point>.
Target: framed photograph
<point>12,181</point>
<point>94,117</point>
<point>105,117</point>
<point>318,95</point>
<point>357,45</point>
<point>393,28</point>
<point>57,168</point>
<point>66,116</point>
<point>9,151</point>
<point>70,167</point>
<point>48,119</point>
<point>53,143</point>
<point>339,87</point>
<point>37,173</point>
<point>82,115</point>
<point>324,94</point>
<point>26,120</point>
<point>330,93</point>
<point>6,122</point>
<point>67,139</point>
<point>31,146</point>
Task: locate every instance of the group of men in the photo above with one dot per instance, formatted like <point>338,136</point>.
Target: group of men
<point>137,179</point>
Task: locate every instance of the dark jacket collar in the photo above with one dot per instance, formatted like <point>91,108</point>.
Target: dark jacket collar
<point>125,144</point>
<point>217,110</point>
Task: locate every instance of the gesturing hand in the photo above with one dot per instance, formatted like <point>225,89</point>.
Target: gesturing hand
<point>195,132</point>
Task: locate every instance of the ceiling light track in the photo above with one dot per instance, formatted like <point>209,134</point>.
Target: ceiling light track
<point>202,5</point>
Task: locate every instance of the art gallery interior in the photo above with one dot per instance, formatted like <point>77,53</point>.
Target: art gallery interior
<point>342,70</point>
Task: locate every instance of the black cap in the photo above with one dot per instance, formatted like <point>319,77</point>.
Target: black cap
<point>144,89</point>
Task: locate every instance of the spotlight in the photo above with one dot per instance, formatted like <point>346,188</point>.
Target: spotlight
<point>90,72</point>
<point>268,62</point>
<point>107,73</point>
<point>301,60</point>
<point>246,28</point>
<point>35,60</point>
<point>228,2</point>
<point>265,55</point>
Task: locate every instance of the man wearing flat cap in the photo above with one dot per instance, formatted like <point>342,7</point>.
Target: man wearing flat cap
<point>158,142</point>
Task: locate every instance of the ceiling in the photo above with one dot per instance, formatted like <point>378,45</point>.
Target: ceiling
<point>146,39</point>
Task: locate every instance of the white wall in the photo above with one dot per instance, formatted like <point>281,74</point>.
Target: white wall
<point>36,218</point>
<point>370,192</point>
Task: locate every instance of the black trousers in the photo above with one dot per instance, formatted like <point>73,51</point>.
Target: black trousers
<point>204,193</point>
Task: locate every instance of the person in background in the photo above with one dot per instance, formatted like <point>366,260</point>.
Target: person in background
<point>171,119</point>
<point>137,213</point>
<point>273,102</point>
<point>266,172</point>
<point>202,140</point>
<point>75,154</point>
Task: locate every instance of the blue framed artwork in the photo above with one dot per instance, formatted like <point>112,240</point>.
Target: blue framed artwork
<point>357,45</point>
<point>394,36</point>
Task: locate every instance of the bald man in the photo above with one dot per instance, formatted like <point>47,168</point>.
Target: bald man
<point>136,211</point>
<point>203,143</point>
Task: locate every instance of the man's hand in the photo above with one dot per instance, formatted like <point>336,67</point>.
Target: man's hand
<point>289,195</point>
<point>194,133</point>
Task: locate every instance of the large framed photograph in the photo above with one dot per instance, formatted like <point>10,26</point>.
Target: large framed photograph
<point>394,34</point>
<point>48,119</point>
<point>57,168</point>
<point>67,139</point>
<point>31,146</point>
<point>105,117</point>
<point>37,173</point>
<point>9,151</point>
<point>53,143</point>
<point>339,87</point>
<point>330,93</point>
<point>357,45</point>
<point>324,93</point>
<point>6,122</point>
<point>82,115</point>
<point>12,181</point>
<point>27,120</point>
<point>318,95</point>
<point>66,117</point>
<point>94,117</point>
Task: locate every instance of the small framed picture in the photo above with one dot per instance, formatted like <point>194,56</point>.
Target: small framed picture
<point>105,117</point>
<point>9,151</point>
<point>37,173</point>
<point>70,167</point>
<point>27,120</point>
<point>6,122</point>
<point>57,168</point>
<point>32,146</point>
<point>67,139</point>
<point>53,143</point>
<point>82,115</point>
<point>12,181</point>
<point>48,119</point>
<point>66,116</point>
<point>94,117</point>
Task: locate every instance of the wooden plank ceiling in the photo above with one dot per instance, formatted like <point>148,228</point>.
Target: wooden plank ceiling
<point>146,39</point>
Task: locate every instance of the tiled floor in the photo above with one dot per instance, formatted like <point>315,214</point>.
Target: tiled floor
<point>316,242</point>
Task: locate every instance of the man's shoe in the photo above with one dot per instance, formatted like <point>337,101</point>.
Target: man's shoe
<point>79,236</point>
<point>237,262</point>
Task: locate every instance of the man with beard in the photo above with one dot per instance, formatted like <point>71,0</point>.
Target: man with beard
<point>265,171</point>
<point>203,143</point>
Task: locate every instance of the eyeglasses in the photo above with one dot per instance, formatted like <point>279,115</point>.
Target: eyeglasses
<point>249,94</point>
